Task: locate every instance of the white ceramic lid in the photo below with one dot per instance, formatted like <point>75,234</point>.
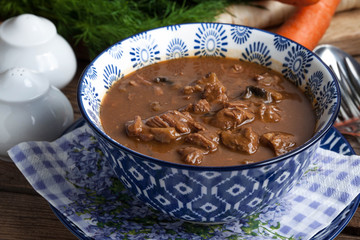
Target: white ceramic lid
<point>20,84</point>
<point>27,30</point>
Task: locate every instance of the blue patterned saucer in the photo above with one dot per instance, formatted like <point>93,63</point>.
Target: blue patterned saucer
<point>333,141</point>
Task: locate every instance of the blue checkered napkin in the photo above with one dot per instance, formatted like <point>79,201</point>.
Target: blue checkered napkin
<point>72,175</point>
<point>45,166</point>
<point>323,194</point>
<point>45,171</point>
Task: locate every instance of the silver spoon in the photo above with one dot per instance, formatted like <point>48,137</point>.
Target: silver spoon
<point>347,70</point>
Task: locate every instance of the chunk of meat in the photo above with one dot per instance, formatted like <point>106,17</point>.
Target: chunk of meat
<point>237,103</point>
<point>200,107</point>
<point>181,121</point>
<point>275,95</point>
<point>214,90</point>
<point>164,128</point>
<point>164,135</point>
<point>232,117</point>
<point>191,155</point>
<point>205,139</point>
<point>134,128</point>
<point>210,87</point>
<point>192,89</point>
<point>157,121</point>
<point>155,106</point>
<point>137,128</point>
<point>280,142</point>
<point>245,140</point>
<point>267,79</point>
<point>269,113</point>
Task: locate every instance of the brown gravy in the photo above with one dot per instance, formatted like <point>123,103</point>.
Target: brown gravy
<point>274,105</point>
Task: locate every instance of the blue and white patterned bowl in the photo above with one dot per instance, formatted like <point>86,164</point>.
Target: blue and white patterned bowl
<point>209,194</point>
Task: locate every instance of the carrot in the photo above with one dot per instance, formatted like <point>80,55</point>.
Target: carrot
<point>299,2</point>
<point>309,23</point>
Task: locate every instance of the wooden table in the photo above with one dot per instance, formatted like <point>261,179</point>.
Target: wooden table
<point>24,214</point>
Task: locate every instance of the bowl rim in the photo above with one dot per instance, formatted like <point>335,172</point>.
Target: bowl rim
<point>303,147</point>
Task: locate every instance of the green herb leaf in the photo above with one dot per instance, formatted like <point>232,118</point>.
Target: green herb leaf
<point>97,24</point>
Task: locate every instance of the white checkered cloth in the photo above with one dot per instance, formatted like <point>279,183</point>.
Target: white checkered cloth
<point>330,185</point>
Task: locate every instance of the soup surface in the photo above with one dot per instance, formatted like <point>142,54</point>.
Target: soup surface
<point>207,111</point>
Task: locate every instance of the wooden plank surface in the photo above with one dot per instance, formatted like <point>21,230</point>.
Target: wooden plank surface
<point>29,216</point>
<point>12,180</point>
<point>344,32</point>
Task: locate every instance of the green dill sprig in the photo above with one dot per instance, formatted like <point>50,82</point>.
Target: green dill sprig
<point>97,24</point>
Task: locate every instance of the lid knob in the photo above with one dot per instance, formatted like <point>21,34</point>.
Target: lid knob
<point>27,30</point>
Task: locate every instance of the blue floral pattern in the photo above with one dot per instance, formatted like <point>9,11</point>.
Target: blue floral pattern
<point>281,43</point>
<point>116,51</point>
<point>173,27</point>
<point>210,40</point>
<point>176,49</point>
<point>325,99</point>
<point>259,53</point>
<point>91,72</point>
<point>111,74</point>
<point>90,95</point>
<point>312,86</point>
<point>240,34</point>
<point>296,64</point>
<point>145,51</point>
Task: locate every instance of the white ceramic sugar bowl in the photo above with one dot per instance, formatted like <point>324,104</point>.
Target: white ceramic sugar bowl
<point>30,109</point>
<point>32,42</point>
